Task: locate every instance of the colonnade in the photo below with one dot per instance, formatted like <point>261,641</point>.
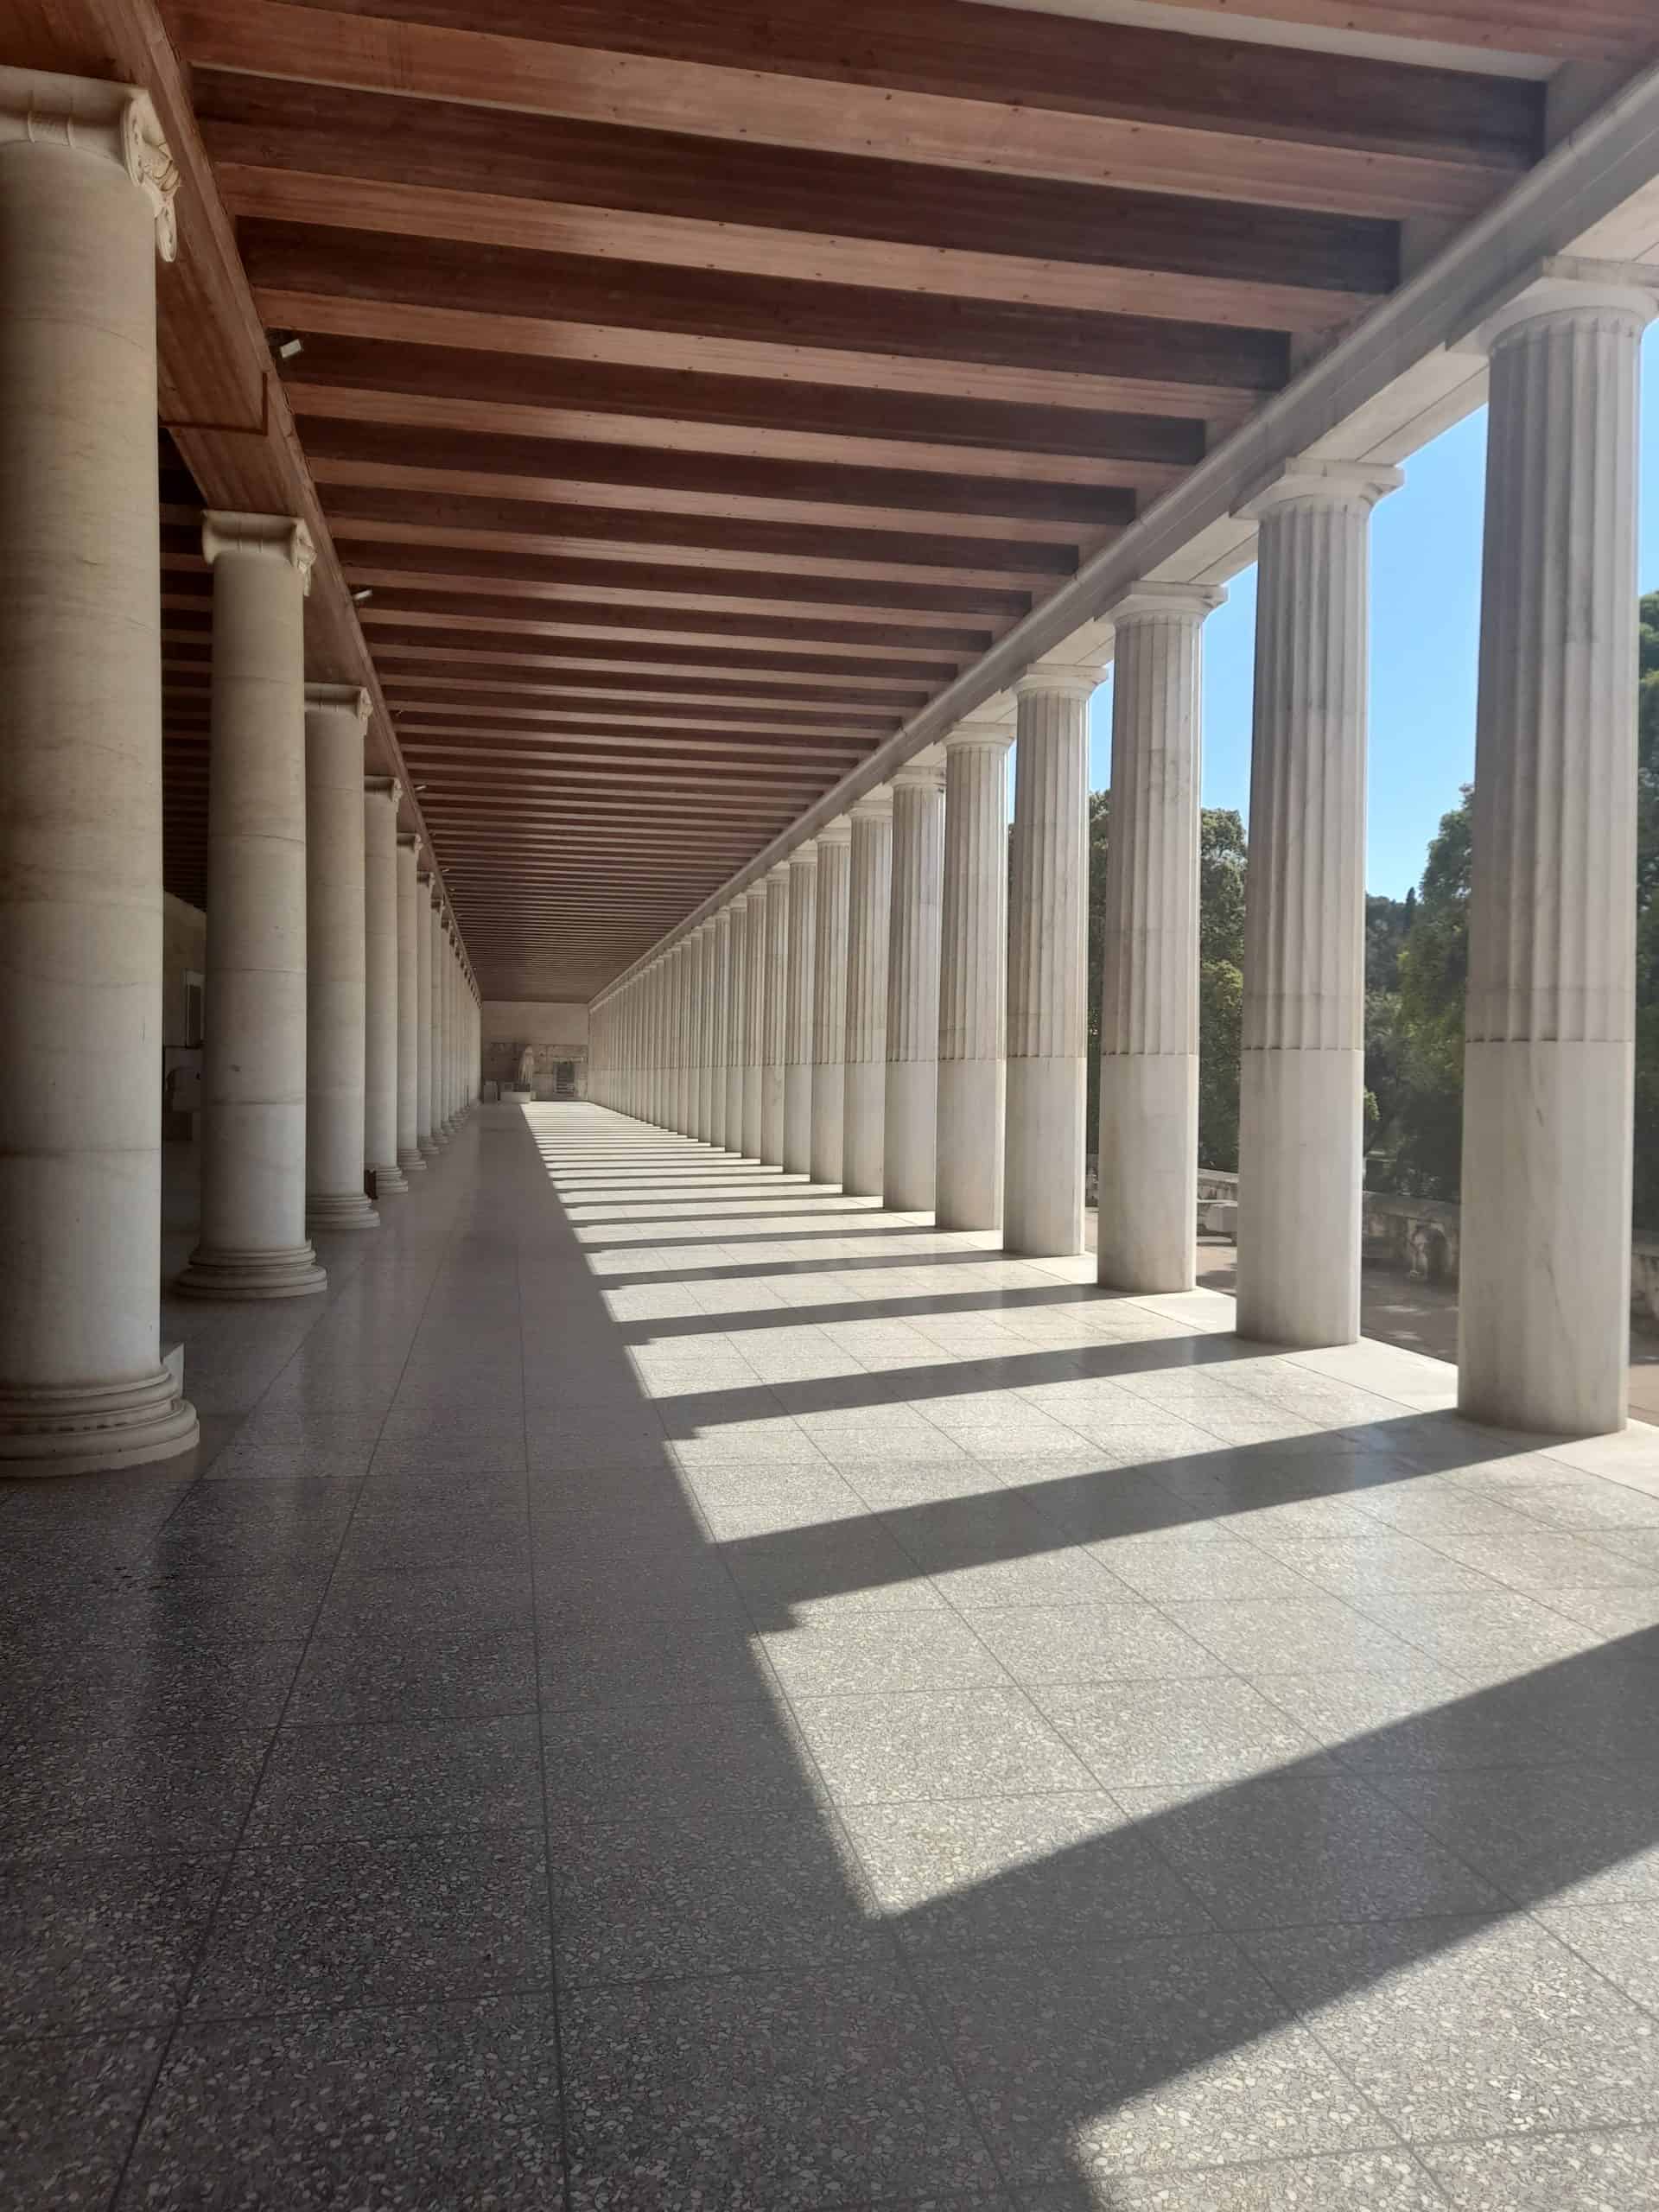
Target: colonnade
<point>901,1008</point>
<point>342,1018</point>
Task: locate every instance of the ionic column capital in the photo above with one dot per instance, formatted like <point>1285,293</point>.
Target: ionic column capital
<point>339,698</point>
<point>383,786</point>
<point>1154,602</point>
<point>805,854</point>
<point>412,841</point>
<point>272,538</point>
<point>107,121</point>
<point>780,874</point>
<point>1353,484</point>
<point>875,806</point>
<point>838,832</point>
<point>1058,679</point>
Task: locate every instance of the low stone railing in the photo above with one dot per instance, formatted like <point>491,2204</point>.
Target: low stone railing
<point>1422,1236</point>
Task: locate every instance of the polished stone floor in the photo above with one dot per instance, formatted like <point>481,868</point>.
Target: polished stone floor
<point>676,1691</point>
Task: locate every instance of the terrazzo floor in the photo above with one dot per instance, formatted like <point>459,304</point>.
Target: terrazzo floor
<point>673,1690</point>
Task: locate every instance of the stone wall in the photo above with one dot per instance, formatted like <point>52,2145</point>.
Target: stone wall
<point>555,1032</point>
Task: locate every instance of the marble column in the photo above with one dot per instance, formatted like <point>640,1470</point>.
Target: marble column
<point>798,1012</point>
<point>974,977</point>
<point>86,186</point>
<point>865,1091</point>
<point>252,1241</point>
<point>722,1031</point>
<point>336,718</point>
<point>447,1018</point>
<point>423,1039</point>
<point>409,1147</point>
<point>1149,994</point>
<point>1048,921</point>
<point>911,1114</point>
<point>737,1039</point>
<point>380,797</point>
<point>775,1010</point>
<point>1301,1090</point>
<point>829,1000</point>
<point>685,956</point>
<point>705,1032</point>
<point>755,1022</point>
<point>1545,1263</point>
<point>434,1009</point>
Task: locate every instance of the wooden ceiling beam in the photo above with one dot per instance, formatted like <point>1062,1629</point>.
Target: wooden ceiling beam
<point>624,688</point>
<point>1110,455</point>
<point>597,663</point>
<point>758,489</point>
<point>316,155</point>
<point>424,729</point>
<point>1049,97</point>
<point>1594,30</point>
<point>481,614</point>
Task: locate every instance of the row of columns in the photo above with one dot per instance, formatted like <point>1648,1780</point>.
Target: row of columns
<point>340,1019</point>
<point>900,1005</point>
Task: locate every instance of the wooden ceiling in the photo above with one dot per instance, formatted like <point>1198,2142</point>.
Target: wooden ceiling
<point>696,387</point>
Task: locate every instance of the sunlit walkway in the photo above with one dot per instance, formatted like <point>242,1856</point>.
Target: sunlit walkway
<point>677,1690</point>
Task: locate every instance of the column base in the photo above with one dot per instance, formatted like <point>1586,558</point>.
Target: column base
<point>864,1113</point>
<point>1300,1134</point>
<point>1148,1172</point>
<point>1544,1268</point>
<point>412,1160</point>
<point>290,1271</point>
<point>340,1209</point>
<point>389,1178</point>
<point>910,1123</point>
<point>95,1428</point>
<point>797,1120</point>
<point>1042,1193</point>
<point>772,1117</point>
<point>430,1148</point>
<point>969,1141</point>
<point>828,1099</point>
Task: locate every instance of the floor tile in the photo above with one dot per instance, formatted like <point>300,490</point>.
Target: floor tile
<point>700,1759</point>
<point>1369,2181</point>
<point>1620,1940</point>
<point>389,1778</point>
<point>872,1652</point>
<point>417,1674</point>
<point>1114,2058</point>
<point>1263,1635</point>
<point>1596,2171</point>
<point>405,2110</point>
<point>68,2112</point>
<point>1293,1851</point>
<point>1469,2028</point>
<point>305,1927</point>
<point>177,1792</point>
<point>1121,1641</point>
<point>1176,1734</point>
<point>980,1743</point>
<point>1567,1834</point>
<point>760,2094</point>
<point>89,1942</point>
<point>984,1872</point>
<point>1424,1718</point>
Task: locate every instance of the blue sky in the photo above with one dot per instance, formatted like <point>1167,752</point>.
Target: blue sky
<point>1425,618</point>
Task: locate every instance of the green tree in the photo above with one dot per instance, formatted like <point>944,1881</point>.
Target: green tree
<point>1220,985</point>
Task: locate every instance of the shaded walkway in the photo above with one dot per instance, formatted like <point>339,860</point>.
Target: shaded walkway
<point>676,1690</point>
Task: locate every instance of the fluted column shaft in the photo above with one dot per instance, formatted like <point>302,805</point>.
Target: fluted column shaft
<point>865,1091</point>
<point>408,1145</point>
<point>1549,1030</point>
<point>81,1381</point>
<point>336,978</point>
<point>774,1013</point>
<point>1149,990</point>
<point>435,1010</point>
<point>721,1053</point>
<point>706,1031</point>
<point>1301,1090</point>
<point>254,1078</point>
<point>830,1001</point>
<point>1048,912</point>
<point>686,955</point>
<point>380,796</point>
<point>911,1112</point>
<point>737,1049</point>
<point>797,1014</point>
<point>424,1136</point>
<point>972,979</point>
